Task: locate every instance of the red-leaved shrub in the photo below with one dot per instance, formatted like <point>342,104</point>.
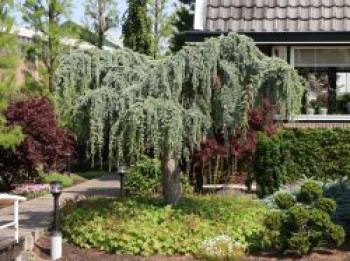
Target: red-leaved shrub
<point>46,144</point>
<point>238,153</point>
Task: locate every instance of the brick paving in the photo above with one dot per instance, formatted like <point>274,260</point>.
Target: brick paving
<point>36,215</point>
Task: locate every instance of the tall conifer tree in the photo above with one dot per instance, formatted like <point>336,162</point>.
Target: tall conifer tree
<point>183,22</point>
<point>100,16</point>
<point>9,137</point>
<point>137,28</point>
<point>46,16</point>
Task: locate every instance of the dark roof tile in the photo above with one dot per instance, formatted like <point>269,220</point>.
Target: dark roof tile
<point>278,15</point>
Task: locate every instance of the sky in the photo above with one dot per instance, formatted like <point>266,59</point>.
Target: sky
<point>78,9</point>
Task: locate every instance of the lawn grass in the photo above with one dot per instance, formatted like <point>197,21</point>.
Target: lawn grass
<point>91,174</point>
<point>81,177</point>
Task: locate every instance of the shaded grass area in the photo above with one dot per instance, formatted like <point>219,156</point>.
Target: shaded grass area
<point>90,174</point>
<point>72,179</point>
<point>145,226</point>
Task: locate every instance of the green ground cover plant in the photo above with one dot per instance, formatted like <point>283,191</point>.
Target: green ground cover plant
<point>145,226</point>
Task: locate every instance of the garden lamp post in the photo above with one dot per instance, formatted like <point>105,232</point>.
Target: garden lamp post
<point>122,171</point>
<point>56,237</point>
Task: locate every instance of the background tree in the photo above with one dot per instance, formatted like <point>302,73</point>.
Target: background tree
<point>9,136</point>
<point>134,105</point>
<point>182,22</point>
<point>100,16</point>
<point>137,28</point>
<point>46,16</point>
<point>161,22</point>
<point>45,145</point>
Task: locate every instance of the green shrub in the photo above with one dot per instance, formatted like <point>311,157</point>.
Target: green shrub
<point>64,179</point>
<point>268,168</point>
<point>144,177</point>
<point>297,217</point>
<point>339,191</point>
<point>335,234</point>
<point>284,200</point>
<point>304,225</point>
<point>143,226</point>
<point>319,219</point>
<point>299,242</point>
<point>274,222</point>
<point>309,192</point>
<point>321,154</point>
<point>327,205</point>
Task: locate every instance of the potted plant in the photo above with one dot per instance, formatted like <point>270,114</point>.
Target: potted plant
<point>310,109</point>
<point>345,101</point>
<point>322,104</point>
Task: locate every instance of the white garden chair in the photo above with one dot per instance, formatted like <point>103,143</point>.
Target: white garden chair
<point>14,223</point>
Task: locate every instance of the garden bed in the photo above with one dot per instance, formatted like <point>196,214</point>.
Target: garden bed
<point>71,252</point>
<point>146,227</point>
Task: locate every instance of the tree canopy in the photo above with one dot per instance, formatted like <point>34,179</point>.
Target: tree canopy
<point>137,28</point>
<point>133,105</point>
<point>46,18</point>
<point>9,136</point>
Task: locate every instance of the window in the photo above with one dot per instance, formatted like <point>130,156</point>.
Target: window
<point>327,71</point>
<point>280,51</point>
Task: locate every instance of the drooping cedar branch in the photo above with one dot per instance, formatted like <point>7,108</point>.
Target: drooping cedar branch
<point>134,103</point>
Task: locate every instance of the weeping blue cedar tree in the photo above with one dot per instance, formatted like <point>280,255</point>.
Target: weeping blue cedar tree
<point>133,105</point>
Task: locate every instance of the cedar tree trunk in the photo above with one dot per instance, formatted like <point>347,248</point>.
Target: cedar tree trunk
<point>171,180</point>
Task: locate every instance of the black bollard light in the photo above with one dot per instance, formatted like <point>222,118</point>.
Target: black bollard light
<point>56,237</point>
<point>122,171</point>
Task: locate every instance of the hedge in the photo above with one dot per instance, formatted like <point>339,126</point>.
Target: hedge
<point>321,154</point>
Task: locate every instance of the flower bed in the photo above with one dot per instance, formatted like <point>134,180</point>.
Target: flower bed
<point>31,190</point>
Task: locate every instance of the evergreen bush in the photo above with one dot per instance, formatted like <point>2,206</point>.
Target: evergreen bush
<point>284,200</point>
<point>305,225</point>
<point>309,192</point>
<point>321,154</point>
<point>268,168</point>
<point>292,155</point>
<point>339,191</point>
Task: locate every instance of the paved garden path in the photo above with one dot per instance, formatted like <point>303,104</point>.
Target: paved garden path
<point>36,215</point>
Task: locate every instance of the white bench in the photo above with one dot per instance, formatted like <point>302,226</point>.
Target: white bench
<point>14,223</point>
<point>228,186</point>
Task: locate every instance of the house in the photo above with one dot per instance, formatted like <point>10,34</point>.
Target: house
<point>311,35</point>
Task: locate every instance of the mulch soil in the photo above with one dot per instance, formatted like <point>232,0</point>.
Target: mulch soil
<point>73,253</point>
<point>70,252</point>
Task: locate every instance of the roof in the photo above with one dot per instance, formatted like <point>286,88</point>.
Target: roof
<point>272,15</point>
